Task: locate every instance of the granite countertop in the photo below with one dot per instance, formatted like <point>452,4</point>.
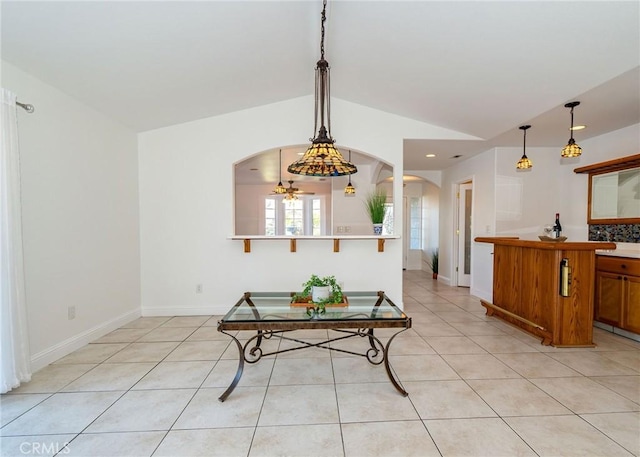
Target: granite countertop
<point>631,250</point>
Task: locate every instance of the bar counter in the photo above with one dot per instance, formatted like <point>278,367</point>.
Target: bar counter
<point>528,287</point>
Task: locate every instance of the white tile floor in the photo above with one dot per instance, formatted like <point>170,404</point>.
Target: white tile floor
<point>477,387</point>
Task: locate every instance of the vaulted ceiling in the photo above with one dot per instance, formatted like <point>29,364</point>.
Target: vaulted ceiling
<point>480,68</point>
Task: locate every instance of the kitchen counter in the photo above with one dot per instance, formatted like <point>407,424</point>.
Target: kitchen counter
<point>604,246</point>
<point>631,250</point>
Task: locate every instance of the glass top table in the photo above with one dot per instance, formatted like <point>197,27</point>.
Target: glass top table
<point>272,314</point>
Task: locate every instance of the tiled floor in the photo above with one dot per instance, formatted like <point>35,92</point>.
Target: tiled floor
<point>477,387</point>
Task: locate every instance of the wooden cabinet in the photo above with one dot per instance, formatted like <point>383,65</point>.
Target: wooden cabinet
<point>617,297</point>
<point>526,288</point>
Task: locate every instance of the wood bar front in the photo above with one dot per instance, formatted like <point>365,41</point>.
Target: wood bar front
<point>526,288</point>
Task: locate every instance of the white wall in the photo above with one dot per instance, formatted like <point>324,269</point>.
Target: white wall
<point>481,170</point>
<point>186,201</point>
<point>80,219</point>
<point>620,143</point>
<point>551,186</point>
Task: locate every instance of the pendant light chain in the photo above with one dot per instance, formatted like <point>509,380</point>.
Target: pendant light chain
<point>324,18</point>
<point>322,158</point>
<point>328,84</point>
<point>572,122</point>
<point>326,73</point>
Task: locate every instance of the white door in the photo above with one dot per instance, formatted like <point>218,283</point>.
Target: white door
<point>464,234</point>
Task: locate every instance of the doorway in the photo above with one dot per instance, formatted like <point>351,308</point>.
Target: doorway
<point>464,233</point>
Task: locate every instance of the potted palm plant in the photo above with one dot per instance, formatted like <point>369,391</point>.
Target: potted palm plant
<point>375,204</point>
<point>433,263</point>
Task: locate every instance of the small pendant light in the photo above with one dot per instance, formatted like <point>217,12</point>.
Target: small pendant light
<point>571,149</point>
<point>280,189</point>
<point>524,163</point>
<point>349,191</point>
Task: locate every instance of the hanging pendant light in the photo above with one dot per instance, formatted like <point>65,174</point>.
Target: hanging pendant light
<point>322,158</point>
<point>571,149</point>
<point>349,191</point>
<point>280,189</point>
<point>524,162</point>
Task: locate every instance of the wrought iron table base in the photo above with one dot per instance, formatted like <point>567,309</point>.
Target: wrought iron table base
<point>255,352</point>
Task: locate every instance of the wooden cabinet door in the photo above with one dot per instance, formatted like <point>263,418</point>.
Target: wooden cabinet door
<point>631,315</point>
<point>609,288</point>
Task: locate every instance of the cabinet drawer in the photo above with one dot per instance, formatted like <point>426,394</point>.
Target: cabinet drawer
<point>620,265</point>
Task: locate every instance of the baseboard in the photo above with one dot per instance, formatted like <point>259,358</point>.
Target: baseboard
<point>50,355</point>
<point>483,294</point>
<point>617,331</point>
<point>213,310</point>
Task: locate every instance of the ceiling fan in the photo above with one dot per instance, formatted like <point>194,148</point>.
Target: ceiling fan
<point>292,192</point>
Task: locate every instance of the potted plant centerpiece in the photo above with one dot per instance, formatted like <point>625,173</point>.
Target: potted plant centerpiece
<point>375,204</point>
<point>319,292</point>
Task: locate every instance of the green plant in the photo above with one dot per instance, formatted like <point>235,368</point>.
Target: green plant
<point>433,262</point>
<point>375,204</point>
<point>316,281</point>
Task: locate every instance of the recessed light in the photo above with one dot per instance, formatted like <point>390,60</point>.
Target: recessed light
<point>430,155</point>
<point>253,169</point>
<point>578,127</point>
<point>457,156</point>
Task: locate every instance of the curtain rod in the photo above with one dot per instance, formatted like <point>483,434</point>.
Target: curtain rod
<point>26,106</point>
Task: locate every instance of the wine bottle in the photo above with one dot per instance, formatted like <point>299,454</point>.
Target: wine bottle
<point>557,228</point>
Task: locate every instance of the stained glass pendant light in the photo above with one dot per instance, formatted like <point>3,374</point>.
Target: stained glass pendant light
<point>280,189</point>
<point>349,191</point>
<point>322,158</point>
<point>524,162</point>
<point>571,149</point>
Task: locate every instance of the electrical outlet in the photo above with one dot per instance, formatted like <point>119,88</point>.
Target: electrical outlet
<point>198,288</point>
<point>347,229</point>
<point>71,312</point>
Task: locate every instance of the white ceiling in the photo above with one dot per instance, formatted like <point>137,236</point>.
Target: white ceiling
<point>480,68</point>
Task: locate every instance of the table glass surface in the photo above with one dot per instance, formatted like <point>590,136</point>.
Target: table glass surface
<point>276,306</point>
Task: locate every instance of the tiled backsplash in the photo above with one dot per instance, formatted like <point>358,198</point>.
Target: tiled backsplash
<point>619,233</point>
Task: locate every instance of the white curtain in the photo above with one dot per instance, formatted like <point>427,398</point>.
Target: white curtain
<point>14,340</point>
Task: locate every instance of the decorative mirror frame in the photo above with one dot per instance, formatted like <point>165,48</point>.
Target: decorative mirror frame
<point>624,163</point>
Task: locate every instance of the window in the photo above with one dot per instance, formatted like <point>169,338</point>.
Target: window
<point>415,218</point>
<point>294,217</point>
<point>316,217</point>
<point>270,216</point>
<point>387,223</point>
<point>302,216</point>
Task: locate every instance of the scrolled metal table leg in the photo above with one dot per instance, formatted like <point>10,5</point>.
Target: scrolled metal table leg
<point>238,375</point>
<point>387,366</point>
